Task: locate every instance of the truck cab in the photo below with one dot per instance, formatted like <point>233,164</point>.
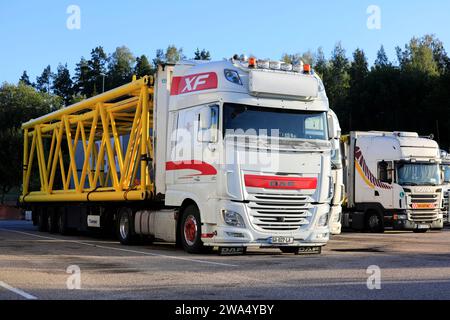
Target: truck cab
<point>393,180</point>
<point>248,155</point>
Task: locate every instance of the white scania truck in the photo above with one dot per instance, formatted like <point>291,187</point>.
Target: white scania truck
<point>226,154</point>
<point>393,179</point>
<point>445,166</point>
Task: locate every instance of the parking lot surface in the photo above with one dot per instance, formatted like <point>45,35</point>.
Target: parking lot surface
<point>36,265</point>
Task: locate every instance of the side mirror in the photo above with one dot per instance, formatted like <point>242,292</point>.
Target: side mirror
<point>333,130</point>
<point>205,118</point>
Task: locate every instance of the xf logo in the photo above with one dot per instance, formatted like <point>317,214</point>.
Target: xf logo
<point>192,83</point>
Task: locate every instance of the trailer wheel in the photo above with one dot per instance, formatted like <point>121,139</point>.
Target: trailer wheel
<point>62,224</point>
<point>51,221</point>
<point>374,222</point>
<point>294,250</point>
<point>41,221</point>
<point>125,223</point>
<point>191,230</point>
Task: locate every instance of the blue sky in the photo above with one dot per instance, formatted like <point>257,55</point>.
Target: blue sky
<point>33,33</point>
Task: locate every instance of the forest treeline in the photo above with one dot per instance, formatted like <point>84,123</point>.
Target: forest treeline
<point>411,93</point>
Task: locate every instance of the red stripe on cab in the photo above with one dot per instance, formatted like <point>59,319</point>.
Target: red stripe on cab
<point>275,182</point>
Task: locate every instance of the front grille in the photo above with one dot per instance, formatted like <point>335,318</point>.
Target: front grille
<point>286,212</point>
<point>424,214</point>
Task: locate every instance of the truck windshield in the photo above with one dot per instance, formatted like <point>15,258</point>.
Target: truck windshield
<point>260,121</point>
<point>446,169</point>
<point>418,174</point>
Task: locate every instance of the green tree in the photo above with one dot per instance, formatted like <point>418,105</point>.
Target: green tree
<point>418,56</point>
<point>202,55</point>
<point>44,81</point>
<point>25,79</point>
<point>62,84</point>
<point>81,78</point>
<point>382,60</point>
<point>337,82</point>
<point>174,54</point>
<point>97,70</point>
<point>18,104</point>
<point>120,69</point>
<point>143,67</point>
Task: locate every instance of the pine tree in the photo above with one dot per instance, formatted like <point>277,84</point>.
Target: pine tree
<point>143,67</point>
<point>25,79</point>
<point>97,69</point>
<point>81,78</point>
<point>382,60</point>
<point>62,84</point>
<point>202,55</point>
<point>44,81</point>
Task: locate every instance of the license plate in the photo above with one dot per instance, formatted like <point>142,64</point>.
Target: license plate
<point>281,240</point>
<point>423,226</point>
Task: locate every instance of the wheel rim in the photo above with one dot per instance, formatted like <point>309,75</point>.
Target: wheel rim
<point>190,230</point>
<point>373,222</point>
<point>124,226</point>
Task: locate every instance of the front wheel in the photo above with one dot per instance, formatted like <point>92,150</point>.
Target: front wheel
<point>191,230</point>
<point>374,222</point>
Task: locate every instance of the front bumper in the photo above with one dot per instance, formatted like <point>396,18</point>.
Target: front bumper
<point>250,236</point>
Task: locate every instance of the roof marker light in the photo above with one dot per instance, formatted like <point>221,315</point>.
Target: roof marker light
<point>286,67</point>
<point>306,68</point>
<point>263,64</point>
<point>275,65</point>
<point>252,62</point>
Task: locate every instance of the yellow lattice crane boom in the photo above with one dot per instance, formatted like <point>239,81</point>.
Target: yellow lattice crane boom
<point>110,133</point>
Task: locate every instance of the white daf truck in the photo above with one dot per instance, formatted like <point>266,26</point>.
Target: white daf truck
<point>237,154</point>
<point>338,180</point>
<point>393,179</point>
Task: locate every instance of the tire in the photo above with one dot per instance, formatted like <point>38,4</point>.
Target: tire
<point>125,227</point>
<point>374,222</point>
<point>191,230</point>
<point>293,250</point>
<point>52,224</point>
<point>62,223</point>
<point>42,221</point>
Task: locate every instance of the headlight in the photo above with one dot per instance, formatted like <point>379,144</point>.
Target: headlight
<point>402,217</point>
<point>233,219</point>
<point>323,220</point>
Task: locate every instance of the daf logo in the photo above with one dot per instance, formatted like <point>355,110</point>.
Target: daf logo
<point>280,184</point>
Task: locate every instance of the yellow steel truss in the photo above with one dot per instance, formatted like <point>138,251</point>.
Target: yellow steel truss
<point>113,131</point>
